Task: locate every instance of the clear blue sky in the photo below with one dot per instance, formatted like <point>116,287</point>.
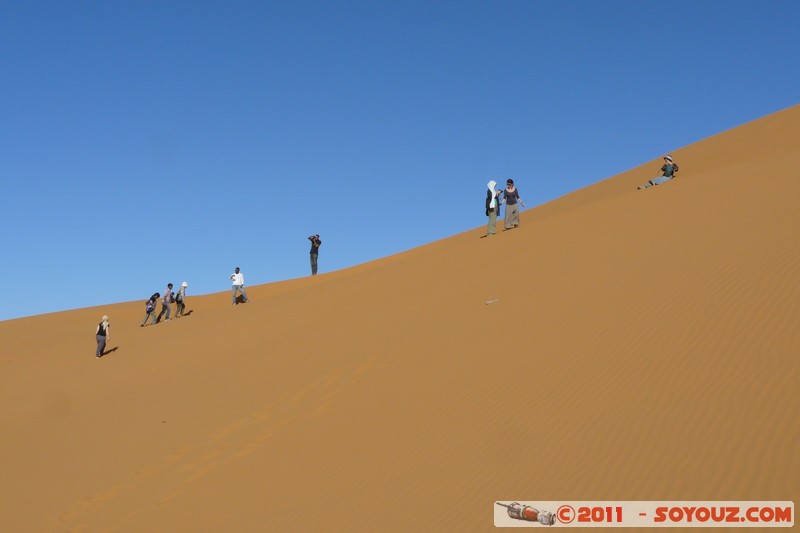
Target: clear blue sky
<point>148,142</point>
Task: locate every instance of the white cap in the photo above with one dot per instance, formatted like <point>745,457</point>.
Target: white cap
<point>668,158</point>
<point>184,284</point>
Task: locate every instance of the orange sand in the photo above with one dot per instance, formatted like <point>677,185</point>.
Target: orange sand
<point>643,345</point>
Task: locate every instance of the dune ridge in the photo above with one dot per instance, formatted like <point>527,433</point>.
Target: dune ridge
<point>639,345</point>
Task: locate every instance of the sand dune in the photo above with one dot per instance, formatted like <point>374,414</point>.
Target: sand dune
<point>640,345</point>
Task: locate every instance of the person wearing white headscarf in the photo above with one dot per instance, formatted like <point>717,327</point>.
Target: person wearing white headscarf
<point>667,173</point>
<point>180,300</point>
<point>492,206</point>
<point>103,335</point>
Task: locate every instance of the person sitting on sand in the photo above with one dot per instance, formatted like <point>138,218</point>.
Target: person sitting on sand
<point>667,173</point>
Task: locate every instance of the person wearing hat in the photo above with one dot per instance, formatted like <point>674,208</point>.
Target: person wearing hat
<point>513,201</point>
<point>102,335</point>
<point>667,173</point>
<point>180,300</point>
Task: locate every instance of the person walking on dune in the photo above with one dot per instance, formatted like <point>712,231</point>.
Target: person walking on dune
<point>103,335</point>
<point>492,206</point>
<point>314,253</point>
<point>180,300</point>
<point>513,201</point>
<point>238,285</point>
<point>166,303</point>
<point>150,309</point>
<point>667,173</point>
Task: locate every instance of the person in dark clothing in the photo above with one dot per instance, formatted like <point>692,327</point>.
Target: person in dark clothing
<point>150,308</point>
<point>314,253</point>
<point>668,171</point>
<point>102,335</point>
<point>513,201</point>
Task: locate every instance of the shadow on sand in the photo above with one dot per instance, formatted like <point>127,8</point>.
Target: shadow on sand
<point>107,352</point>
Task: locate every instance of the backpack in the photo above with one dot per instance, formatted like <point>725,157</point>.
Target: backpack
<point>150,306</point>
<point>179,297</point>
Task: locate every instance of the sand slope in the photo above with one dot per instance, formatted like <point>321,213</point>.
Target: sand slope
<point>643,345</point>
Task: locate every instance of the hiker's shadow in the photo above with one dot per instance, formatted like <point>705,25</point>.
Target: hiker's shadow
<point>108,352</point>
<point>189,312</point>
<point>239,299</point>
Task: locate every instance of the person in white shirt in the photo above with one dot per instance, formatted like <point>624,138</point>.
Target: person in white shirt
<point>238,285</point>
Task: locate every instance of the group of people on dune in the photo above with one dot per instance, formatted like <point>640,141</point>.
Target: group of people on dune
<point>495,198</point>
<point>103,334</point>
<point>510,197</point>
<point>166,304</point>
